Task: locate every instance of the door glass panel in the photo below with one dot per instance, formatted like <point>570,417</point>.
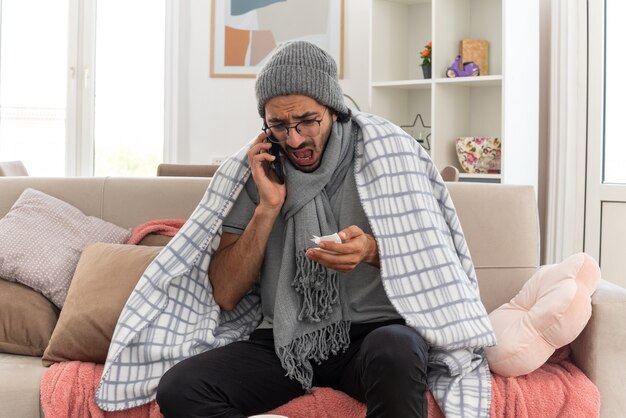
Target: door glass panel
<point>129,87</point>
<point>33,84</point>
<point>615,94</point>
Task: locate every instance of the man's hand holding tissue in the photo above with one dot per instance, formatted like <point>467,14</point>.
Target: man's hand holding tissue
<point>355,247</point>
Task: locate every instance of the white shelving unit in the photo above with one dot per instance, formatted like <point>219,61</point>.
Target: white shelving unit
<point>503,103</point>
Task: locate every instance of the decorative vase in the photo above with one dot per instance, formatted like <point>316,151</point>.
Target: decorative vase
<point>426,71</point>
<point>481,155</point>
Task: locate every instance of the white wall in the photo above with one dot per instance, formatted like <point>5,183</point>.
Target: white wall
<point>217,116</point>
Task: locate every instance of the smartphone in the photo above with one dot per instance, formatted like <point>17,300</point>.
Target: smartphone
<point>277,165</point>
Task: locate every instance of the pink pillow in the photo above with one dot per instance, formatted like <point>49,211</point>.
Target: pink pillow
<point>549,312</point>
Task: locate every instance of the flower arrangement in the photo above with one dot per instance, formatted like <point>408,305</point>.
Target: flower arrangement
<point>427,53</point>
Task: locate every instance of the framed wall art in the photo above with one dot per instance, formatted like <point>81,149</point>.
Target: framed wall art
<point>245,32</point>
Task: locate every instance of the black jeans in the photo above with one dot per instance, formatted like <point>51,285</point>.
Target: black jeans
<point>384,367</point>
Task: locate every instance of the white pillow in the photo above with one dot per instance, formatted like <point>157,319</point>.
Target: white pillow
<point>549,312</point>
<point>42,238</point>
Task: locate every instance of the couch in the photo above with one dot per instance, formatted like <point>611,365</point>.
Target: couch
<point>12,168</point>
<point>187,170</point>
<point>500,224</point>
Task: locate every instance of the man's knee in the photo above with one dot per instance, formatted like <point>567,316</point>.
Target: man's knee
<point>395,358</point>
<point>170,392</point>
<point>396,348</point>
<point>181,390</point>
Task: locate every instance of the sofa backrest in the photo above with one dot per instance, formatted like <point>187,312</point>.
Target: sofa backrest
<point>500,221</point>
<point>126,202</point>
<point>501,226</point>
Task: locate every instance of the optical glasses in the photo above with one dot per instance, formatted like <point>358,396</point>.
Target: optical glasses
<point>280,133</point>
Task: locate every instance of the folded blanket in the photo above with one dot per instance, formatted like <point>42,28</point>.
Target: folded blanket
<point>167,227</point>
<point>68,388</point>
<point>557,389</point>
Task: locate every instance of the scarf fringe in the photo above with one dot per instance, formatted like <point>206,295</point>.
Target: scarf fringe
<point>319,287</point>
<point>297,355</point>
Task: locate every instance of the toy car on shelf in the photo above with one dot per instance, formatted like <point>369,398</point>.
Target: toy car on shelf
<point>468,69</point>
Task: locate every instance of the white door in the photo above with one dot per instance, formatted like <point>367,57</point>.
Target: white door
<point>605,219</point>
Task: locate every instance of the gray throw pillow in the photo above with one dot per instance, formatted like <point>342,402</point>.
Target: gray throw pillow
<point>42,238</point>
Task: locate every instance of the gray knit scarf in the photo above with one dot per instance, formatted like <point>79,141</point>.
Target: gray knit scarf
<point>309,321</point>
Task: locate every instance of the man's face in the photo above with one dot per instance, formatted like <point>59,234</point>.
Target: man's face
<point>304,152</point>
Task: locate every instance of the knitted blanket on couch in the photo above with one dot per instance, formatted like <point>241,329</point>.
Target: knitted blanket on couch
<point>426,271</point>
<point>557,389</point>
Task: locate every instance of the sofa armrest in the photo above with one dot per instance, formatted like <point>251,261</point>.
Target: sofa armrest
<point>599,349</point>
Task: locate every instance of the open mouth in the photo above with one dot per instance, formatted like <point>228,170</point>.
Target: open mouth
<point>303,156</point>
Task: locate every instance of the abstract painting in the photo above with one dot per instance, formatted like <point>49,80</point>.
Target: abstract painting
<point>245,32</point>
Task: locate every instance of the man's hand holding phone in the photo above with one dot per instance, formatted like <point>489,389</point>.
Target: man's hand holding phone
<point>271,191</point>
<point>278,166</point>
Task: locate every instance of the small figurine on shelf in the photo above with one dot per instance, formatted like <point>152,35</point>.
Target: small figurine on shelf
<point>426,56</point>
<point>468,69</point>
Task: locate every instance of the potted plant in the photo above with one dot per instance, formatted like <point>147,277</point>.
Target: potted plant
<point>426,56</point>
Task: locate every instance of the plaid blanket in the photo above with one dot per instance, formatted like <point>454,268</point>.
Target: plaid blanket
<point>426,270</point>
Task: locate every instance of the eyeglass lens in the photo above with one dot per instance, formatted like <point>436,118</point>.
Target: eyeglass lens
<point>310,127</point>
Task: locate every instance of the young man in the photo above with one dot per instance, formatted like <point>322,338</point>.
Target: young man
<point>372,315</point>
<point>344,320</point>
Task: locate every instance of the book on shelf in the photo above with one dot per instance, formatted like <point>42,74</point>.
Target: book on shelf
<point>476,51</point>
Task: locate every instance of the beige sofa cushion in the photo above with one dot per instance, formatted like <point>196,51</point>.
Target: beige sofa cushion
<point>126,202</point>
<point>42,239</point>
<point>19,386</point>
<point>105,276</point>
<point>27,320</point>
<point>502,231</point>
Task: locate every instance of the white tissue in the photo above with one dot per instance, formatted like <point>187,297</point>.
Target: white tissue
<point>332,238</point>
